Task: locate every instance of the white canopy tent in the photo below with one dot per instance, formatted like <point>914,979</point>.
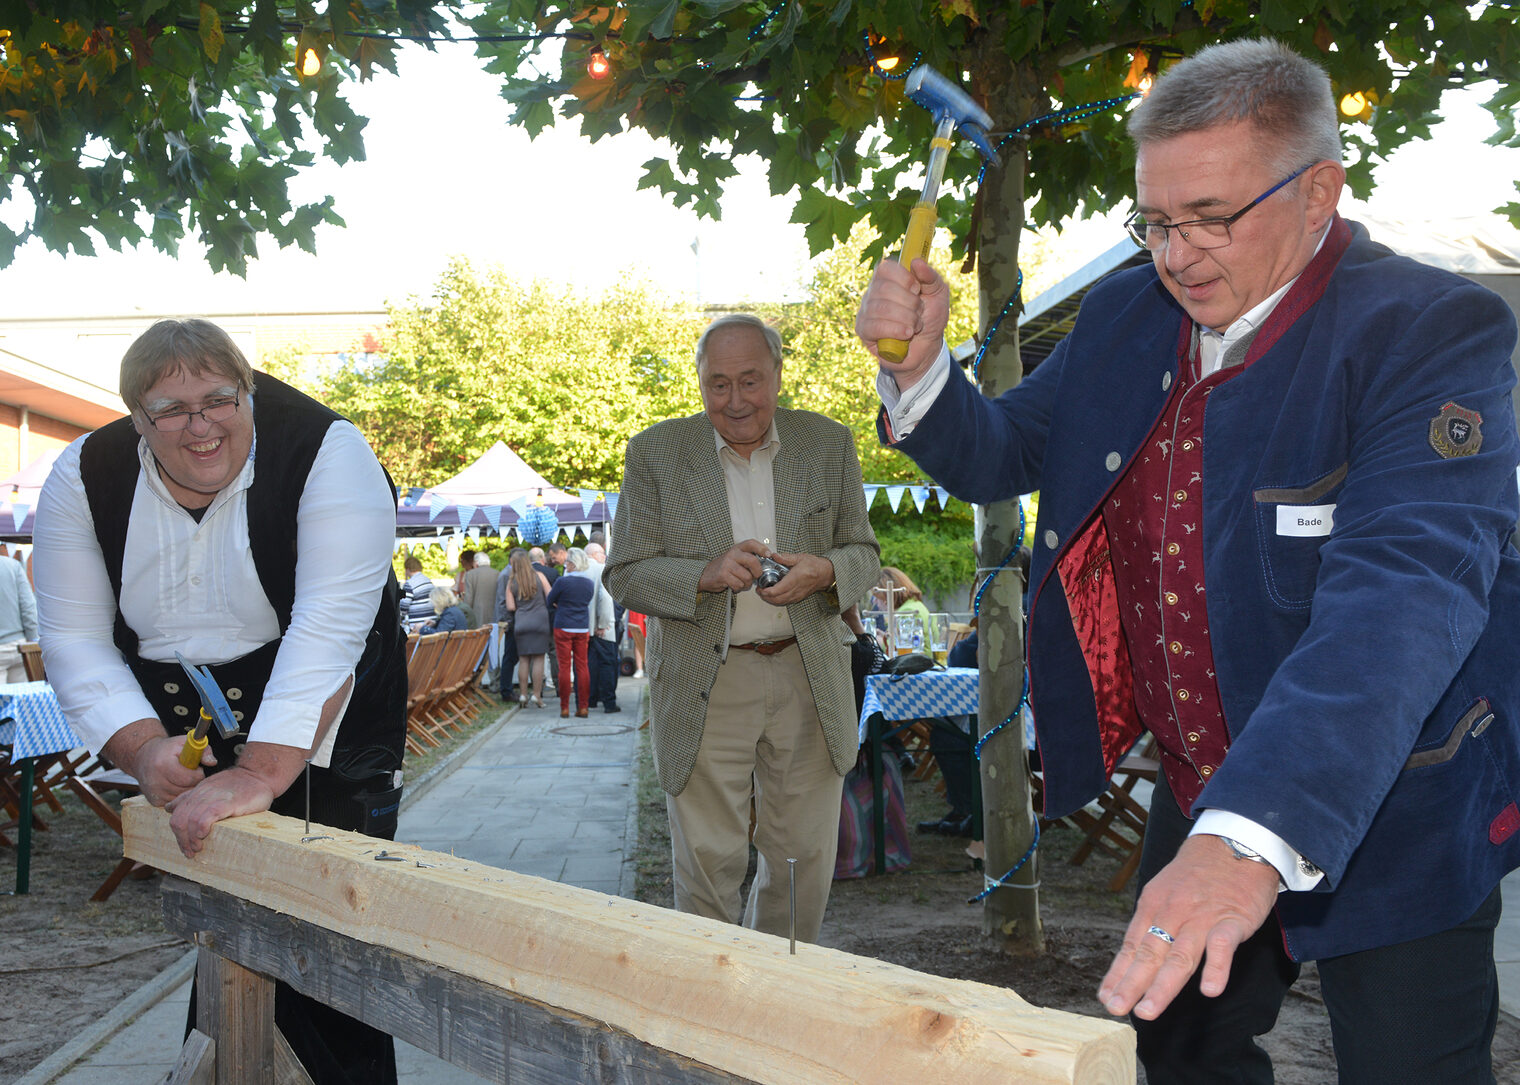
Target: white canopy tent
<point>495,492</point>
<point>18,496</point>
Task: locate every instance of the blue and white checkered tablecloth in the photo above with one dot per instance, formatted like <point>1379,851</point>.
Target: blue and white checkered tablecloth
<point>39,726</point>
<point>950,692</point>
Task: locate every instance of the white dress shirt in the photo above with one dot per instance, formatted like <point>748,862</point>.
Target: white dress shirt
<point>750,482</point>
<point>192,587</point>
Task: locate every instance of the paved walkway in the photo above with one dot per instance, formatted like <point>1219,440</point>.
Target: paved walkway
<point>538,795</point>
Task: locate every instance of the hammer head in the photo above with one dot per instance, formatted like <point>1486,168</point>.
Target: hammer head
<point>944,99</point>
<point>212,700</point>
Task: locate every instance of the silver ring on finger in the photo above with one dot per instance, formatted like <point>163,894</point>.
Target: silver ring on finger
<point>1161,934</point>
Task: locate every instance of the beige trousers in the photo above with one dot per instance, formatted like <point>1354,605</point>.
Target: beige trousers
<point>12,667</point>
<point>762,738</point>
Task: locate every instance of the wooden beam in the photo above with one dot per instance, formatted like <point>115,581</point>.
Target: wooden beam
<point>287,1068</point>
<point>235,1006</point>
<point>196,1064</point>
<point>467,1022</point>
<point>726,997</point>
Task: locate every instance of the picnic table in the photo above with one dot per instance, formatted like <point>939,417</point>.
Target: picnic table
<point>902,699</point>
<point>32,724</point>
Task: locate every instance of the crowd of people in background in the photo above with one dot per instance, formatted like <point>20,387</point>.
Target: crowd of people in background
<point>552,617</point>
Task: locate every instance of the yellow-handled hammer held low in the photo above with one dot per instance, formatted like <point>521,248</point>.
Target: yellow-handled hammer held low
<point>214,711</point>
<point>953,109</point>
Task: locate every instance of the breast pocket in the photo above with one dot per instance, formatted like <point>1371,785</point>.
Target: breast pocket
<point>816,524</point>
<point>1292,523</point>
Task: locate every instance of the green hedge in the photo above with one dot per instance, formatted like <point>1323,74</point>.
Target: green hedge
<point>936,548</point>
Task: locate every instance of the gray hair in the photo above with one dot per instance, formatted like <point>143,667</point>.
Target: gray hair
<point>596,552</point>
<point>575,559</point>
<point>1284,96</point>
<point>741,320</point>
<point>443,598</point>
<point>482,559</point>
<point>190,346</point>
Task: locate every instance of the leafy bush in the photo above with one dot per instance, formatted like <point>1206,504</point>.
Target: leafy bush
<point>936,549</point>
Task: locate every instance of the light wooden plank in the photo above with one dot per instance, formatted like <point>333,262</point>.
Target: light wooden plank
<point>724,996</point>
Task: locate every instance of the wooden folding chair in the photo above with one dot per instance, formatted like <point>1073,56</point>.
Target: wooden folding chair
<point>31,659</point>
<point>454,707</point>
<point>84,775</point>
<point>12,806</point>
<point>433,715</point>
<point>88,787</point>
<point>1119,827</point>
<point>421,671</point>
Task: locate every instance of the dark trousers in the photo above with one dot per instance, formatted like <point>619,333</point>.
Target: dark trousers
<point>602,658</point>
<point>509,658</point>
<point>951,747</point>
<point>1416,1012</point>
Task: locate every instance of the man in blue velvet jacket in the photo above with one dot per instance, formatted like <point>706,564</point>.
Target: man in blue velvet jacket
<point>1278,493</point>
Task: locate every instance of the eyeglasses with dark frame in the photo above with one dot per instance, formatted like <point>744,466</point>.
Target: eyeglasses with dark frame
<point>1210,233</point>
<point>175,421</point>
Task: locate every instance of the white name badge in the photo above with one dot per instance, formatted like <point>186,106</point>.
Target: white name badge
<point>1305,521</point>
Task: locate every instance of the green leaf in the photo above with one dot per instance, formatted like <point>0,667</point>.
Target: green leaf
<point>664,23</point>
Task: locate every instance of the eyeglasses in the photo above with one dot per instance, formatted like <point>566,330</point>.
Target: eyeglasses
<point>175,421</point>
<point>1200,233</point>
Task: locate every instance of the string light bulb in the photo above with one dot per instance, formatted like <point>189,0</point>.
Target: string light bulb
<point>311,51</point>
<point>1353,103</point>
<point>598,66</point>
<point>886,64</point>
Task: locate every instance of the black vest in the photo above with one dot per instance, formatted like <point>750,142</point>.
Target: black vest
<point>289,427</point>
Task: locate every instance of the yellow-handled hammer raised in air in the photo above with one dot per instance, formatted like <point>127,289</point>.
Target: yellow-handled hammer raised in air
<point>952,108</point>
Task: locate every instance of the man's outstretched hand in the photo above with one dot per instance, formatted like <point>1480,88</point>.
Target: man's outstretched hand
<point>224,795</point>
<point>1209,901</point>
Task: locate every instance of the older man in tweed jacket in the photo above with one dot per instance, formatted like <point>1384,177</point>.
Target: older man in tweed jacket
<point>749,686</point>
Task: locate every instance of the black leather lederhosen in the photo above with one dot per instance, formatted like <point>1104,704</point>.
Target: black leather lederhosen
<point>357,791</point>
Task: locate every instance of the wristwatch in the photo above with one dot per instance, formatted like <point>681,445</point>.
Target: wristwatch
<point>1243,852</point>
<point>1305,868</point>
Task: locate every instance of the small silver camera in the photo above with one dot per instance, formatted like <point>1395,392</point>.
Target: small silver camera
<point>771,572</point>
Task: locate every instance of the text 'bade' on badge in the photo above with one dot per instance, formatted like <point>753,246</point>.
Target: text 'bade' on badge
<point>1456,431</point>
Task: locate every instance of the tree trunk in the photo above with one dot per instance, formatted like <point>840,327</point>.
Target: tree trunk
<point>1011,915</point>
